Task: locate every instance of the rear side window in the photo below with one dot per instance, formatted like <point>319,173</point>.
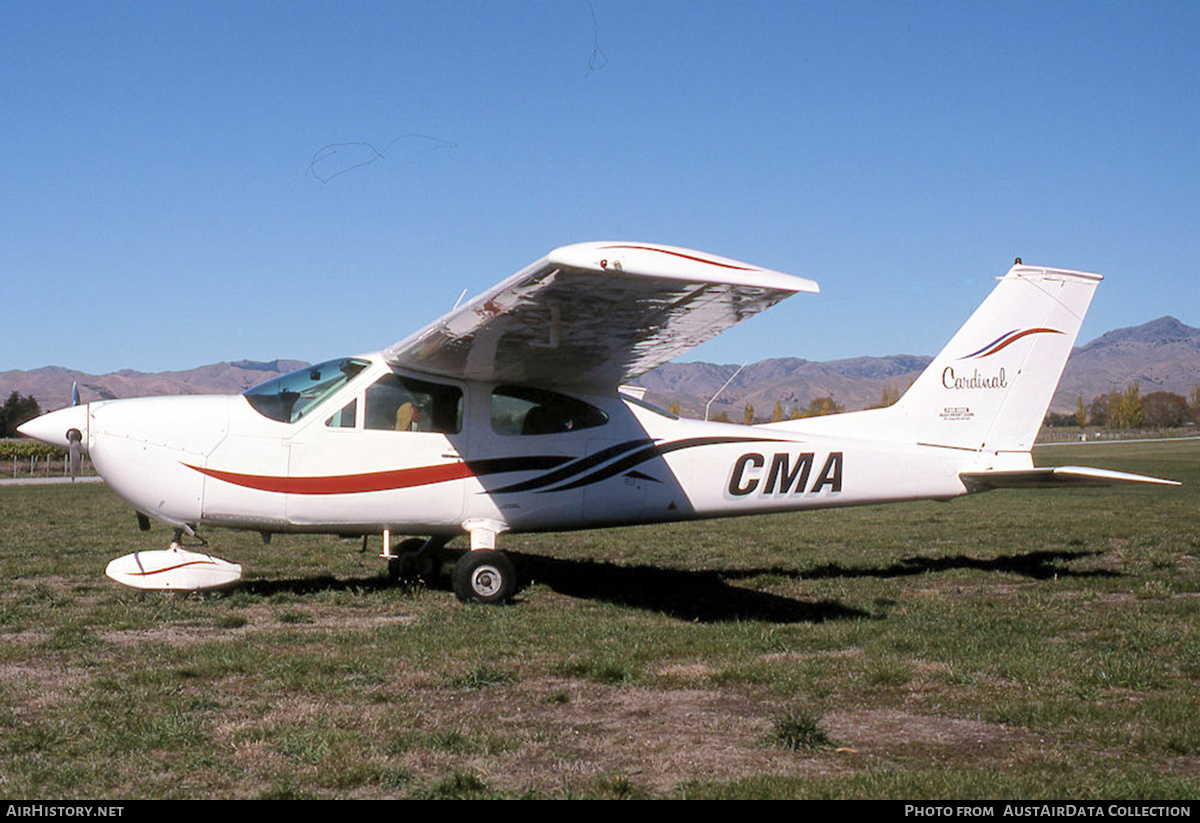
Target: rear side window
<point>517,410</point>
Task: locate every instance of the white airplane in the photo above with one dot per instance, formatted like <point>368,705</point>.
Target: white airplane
<point>511,414</point>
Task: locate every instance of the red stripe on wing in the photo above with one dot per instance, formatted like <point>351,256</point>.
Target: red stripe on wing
<point>692,257</point>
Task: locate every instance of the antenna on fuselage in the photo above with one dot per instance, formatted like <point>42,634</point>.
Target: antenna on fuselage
<point>718,391</point>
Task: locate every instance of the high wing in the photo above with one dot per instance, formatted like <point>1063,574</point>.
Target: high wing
<point>592,316</point>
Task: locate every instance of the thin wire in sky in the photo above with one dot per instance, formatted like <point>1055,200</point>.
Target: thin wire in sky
<point>335,159</point>
<point>598,59</point>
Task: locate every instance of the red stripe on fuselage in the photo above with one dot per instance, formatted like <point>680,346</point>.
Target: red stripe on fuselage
<point>343,483</point>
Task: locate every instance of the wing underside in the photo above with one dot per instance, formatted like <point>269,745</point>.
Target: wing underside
<point>593,316</point>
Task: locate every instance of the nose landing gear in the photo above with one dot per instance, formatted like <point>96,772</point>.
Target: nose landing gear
<point>173,569</point>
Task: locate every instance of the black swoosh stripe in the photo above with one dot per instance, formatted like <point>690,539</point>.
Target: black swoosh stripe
<point>578,465</point>
<point>656,450</point>
<point>575,466</point>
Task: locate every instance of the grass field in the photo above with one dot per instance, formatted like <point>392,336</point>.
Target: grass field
<point>1007,645</point>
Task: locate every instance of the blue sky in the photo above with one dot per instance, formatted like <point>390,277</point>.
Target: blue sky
<point>185,183</point>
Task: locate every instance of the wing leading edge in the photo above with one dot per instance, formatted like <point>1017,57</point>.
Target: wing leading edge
<point>592,316</point>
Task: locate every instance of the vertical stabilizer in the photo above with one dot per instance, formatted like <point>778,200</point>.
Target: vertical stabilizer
<point>990,387</point>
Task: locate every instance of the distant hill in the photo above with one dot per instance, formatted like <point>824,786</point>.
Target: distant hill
<point>51,385</point>
<point>854,384</point>
<point>1162,355</point>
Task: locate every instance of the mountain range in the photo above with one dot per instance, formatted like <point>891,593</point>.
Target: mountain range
<point>1162,355</point>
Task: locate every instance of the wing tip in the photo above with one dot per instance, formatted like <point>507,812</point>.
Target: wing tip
<point>674,262</point>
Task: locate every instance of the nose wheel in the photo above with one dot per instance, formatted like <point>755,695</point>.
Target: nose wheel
<point>484,576</point>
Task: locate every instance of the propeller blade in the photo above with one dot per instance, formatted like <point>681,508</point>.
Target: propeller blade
<point>74,451</point>
<point>74,439</point>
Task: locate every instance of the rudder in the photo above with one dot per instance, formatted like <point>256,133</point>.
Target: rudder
<point>990,387</point>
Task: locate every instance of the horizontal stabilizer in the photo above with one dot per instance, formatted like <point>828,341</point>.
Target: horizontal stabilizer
<point>1054,477</point>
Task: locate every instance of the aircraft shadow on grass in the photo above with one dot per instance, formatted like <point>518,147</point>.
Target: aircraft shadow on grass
<point>708,596</point>
<point>1040,565</point>
<point>702,596</point>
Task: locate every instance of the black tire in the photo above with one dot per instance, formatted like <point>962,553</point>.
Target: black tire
<point>430,566</point>
<point>403,567</point>
<point>484,576</point>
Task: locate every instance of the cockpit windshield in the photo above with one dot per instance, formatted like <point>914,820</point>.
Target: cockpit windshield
<point>292,396</point>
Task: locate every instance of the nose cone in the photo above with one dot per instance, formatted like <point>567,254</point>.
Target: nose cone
<point>52,428</point>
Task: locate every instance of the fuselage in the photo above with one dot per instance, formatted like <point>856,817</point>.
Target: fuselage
<point>355,446</point>
<point>504,415</point>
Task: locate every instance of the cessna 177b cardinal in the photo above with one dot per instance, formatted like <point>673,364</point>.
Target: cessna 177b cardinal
<point>511,413</point>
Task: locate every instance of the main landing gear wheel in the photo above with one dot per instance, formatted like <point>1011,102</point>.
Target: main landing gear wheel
<point>416,559</point>
<point>484,576</point>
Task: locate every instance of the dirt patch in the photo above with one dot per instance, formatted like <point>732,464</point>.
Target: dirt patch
<point>559,732</point>
<point>893,735</point>
<point>563,732</point>
<point>256,620</point>
<point>39,684</point>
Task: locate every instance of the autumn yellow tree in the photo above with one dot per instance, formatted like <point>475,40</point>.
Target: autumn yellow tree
<point>889,396</point>
<point>1128,412</point>
<point>821,406</point>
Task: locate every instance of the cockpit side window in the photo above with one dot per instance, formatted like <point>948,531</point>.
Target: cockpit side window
<point>518,410</point>
<point>290,397</point>
<point>346,418</point>
<point>396,403</point>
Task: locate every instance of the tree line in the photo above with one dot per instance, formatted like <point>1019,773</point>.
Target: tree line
<point>15,411</point>
<point>1130,409</point>
<point>1127,409</point>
